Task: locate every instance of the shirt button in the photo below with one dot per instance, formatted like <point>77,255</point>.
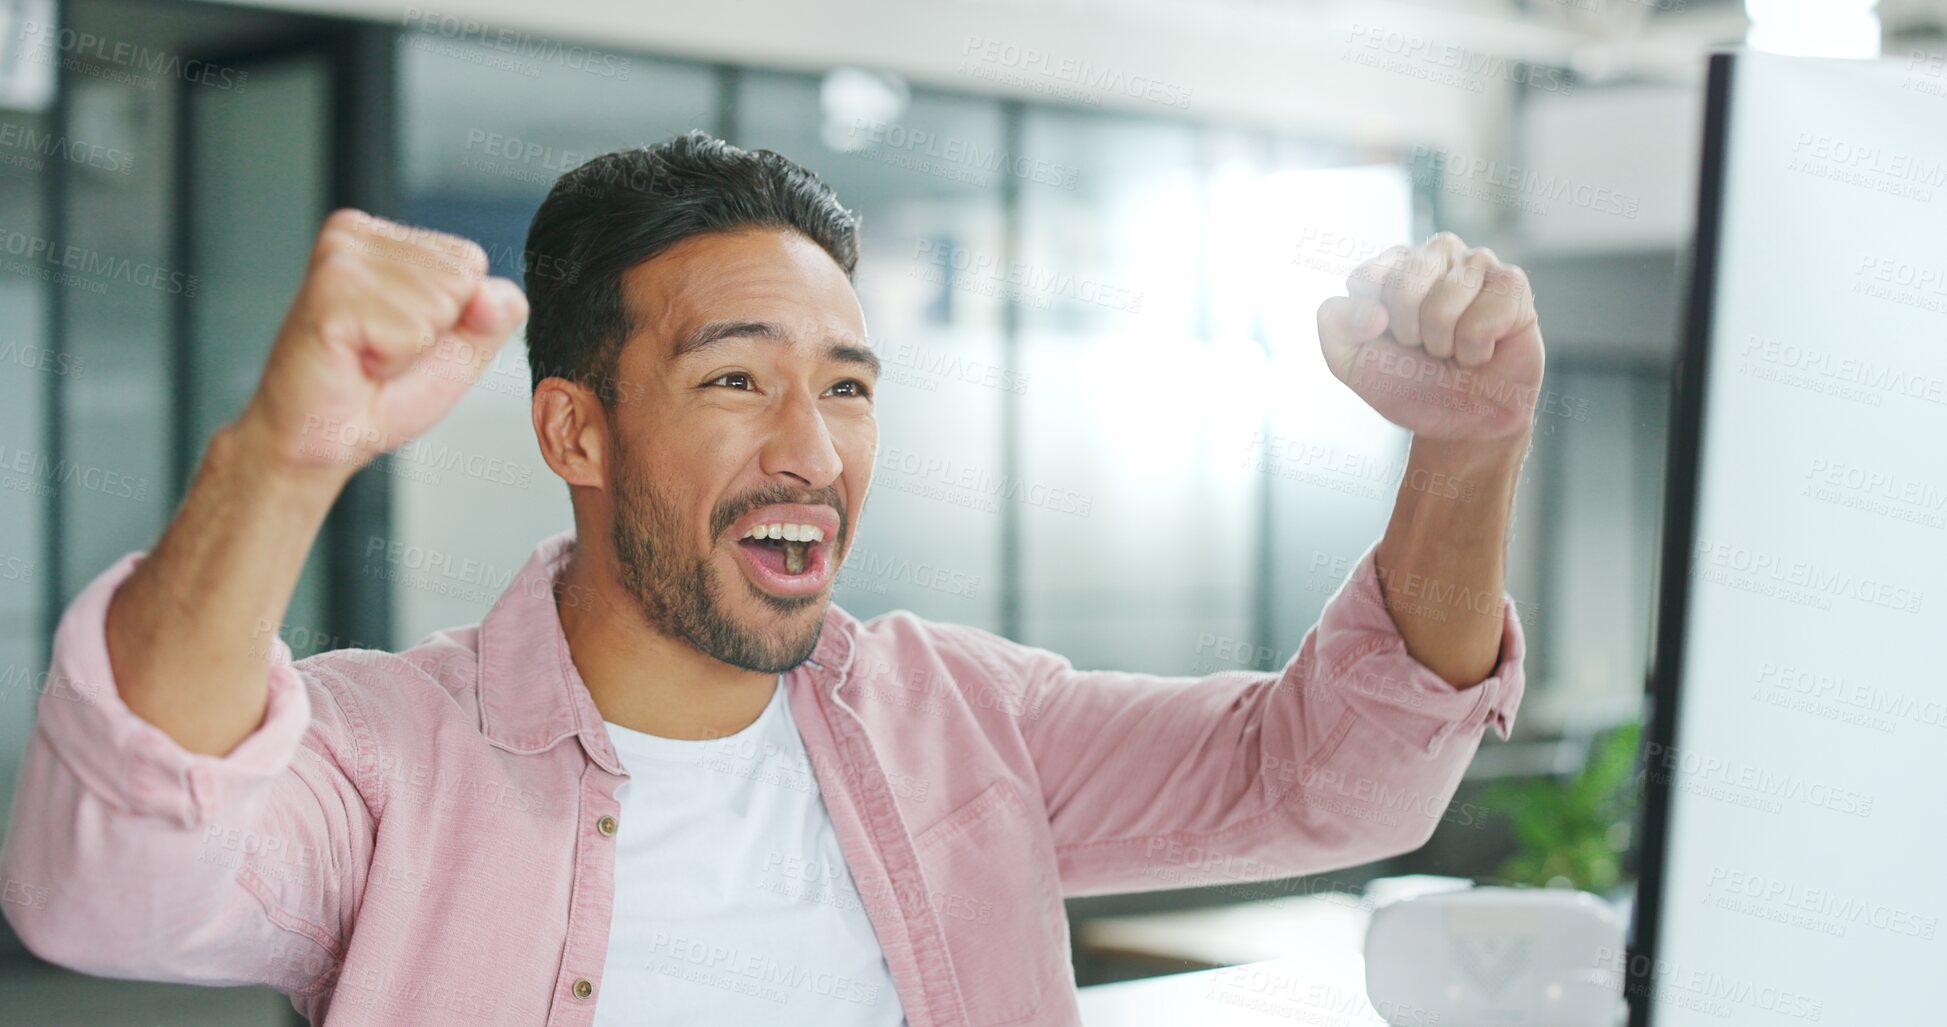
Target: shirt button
<point>583,987</point>
<point>606,825</point>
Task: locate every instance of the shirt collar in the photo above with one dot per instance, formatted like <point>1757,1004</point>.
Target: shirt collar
<point>531,695</point>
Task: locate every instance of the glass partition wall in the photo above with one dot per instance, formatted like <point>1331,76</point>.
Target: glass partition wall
<point>1078,353</point>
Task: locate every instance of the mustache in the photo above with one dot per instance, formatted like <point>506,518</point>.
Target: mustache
<point>730,510</point>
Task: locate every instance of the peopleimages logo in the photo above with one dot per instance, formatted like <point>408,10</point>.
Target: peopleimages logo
<point>1446,64</point>
<point>524,151</point>
<point>32,147</point>
<point>1029,60</point>
<point>940,363</point>
<point>1529,184</point>
<point>519,45</point>
<point>1033,282</point>
<point>980,481</point>
<point>78,49</point>
<point>1703,989</point>
<point>28,471</point>
<point>1736,781</point>
<point>1783,900</point>
<point>95,264</point>
<point>991,159</point>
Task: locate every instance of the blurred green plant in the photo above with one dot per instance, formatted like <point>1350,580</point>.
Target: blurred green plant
<point>1575,833</point>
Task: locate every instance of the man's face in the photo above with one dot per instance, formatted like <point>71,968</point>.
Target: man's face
<point>756,411</point>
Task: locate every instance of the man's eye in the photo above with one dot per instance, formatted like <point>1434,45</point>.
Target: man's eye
<point>734,376</point>
<point>858,388</point>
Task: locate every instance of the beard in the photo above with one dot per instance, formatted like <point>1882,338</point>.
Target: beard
<point>677,593</point>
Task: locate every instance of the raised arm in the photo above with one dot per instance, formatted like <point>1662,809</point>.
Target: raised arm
<point>189,806</point>
<point>390,327</point>
<point>1444,341</point>
<point>1354,750</point>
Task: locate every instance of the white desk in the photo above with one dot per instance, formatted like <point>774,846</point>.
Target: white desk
<point>1317,978</point>
<point>1251,932</point>
<point>1321,989</point>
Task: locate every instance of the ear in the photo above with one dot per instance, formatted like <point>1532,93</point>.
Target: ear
<point>572,429</point>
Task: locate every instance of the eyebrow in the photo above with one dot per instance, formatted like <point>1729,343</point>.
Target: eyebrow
<point>710,333</point>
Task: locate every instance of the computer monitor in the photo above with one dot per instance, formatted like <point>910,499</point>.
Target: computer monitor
<point>1794,836</point>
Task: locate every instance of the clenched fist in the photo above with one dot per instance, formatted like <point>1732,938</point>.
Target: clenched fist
<point>1439,338</point>
<point>390,327</point>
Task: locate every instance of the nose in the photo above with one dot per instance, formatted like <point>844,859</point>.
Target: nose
<point>800,446</point>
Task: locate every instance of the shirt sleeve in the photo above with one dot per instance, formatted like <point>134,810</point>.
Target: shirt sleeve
<point>128,856</point>
<point>1349,754</point>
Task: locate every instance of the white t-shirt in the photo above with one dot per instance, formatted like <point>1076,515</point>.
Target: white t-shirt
<point>733,904</point>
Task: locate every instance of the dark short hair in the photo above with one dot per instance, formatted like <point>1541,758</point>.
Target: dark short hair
<point>613,212</point>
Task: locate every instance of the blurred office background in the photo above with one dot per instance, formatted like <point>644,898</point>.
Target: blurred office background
<point>1095,235</point>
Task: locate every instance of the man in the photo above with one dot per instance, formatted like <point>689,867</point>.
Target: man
<point>661,782</point>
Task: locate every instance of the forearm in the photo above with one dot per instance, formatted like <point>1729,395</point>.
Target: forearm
<point>190,632</point>
<point>1442,563</point>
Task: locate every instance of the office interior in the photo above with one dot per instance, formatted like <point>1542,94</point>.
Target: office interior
<point>1101,293</point>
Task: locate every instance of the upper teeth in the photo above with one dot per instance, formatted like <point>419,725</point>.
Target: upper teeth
<point>788,532</point>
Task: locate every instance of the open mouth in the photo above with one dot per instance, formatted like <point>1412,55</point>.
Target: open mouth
<point>787,557</point>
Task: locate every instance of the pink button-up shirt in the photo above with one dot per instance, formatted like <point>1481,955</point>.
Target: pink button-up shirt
<point>424,838</point>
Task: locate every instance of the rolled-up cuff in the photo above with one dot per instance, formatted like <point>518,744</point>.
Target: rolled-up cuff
<point>1364,657</point>
<point>128,761</point>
